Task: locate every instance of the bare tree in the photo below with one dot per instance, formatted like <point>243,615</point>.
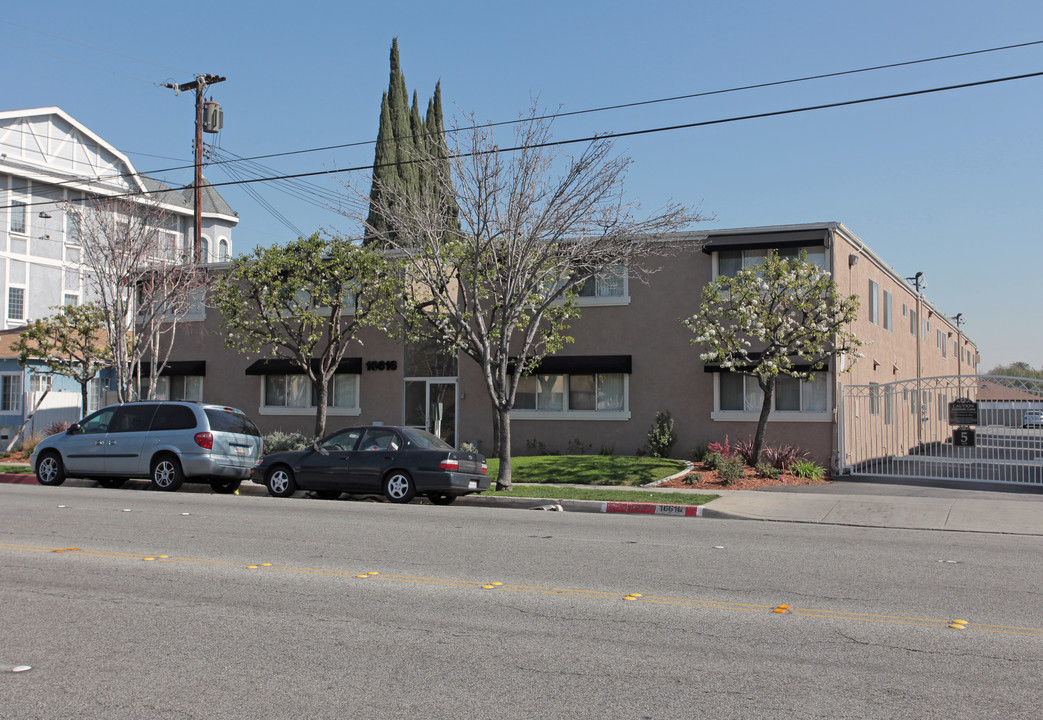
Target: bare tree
<point>495,256</point>
<point>137,274</point>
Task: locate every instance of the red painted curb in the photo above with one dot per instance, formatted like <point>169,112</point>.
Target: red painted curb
<point>652,509</point>
<point>18,478</point>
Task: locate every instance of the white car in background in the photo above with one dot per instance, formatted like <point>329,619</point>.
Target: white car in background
<point>1033,418</point>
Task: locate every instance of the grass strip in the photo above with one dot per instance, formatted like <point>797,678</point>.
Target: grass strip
<point>16,469</point>
<point>558,492</point>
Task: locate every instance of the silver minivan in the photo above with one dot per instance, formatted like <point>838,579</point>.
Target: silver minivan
<point>169,443</point>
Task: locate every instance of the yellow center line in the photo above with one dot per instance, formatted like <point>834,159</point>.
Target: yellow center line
<point>543,590</point>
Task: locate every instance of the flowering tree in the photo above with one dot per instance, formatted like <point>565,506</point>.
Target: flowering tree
<point>782,317</point>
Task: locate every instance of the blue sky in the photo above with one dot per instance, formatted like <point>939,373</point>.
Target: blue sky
<point>948,184</point>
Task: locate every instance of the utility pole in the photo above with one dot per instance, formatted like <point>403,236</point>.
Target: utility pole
<point>959,347</point>
<point>919,283</point>
<point>200,84</point>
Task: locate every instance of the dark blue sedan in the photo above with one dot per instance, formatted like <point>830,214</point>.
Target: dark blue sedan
<point>398,462</point>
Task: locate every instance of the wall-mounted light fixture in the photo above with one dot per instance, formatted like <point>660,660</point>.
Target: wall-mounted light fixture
<point>852,260</point>
<point>44,215</point>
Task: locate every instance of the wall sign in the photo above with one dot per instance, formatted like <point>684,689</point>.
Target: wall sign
<point>372,365</point>
<point>963,411</point>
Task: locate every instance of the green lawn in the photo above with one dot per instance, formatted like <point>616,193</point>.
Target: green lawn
<point>588,469</point>
<point>16,469</point>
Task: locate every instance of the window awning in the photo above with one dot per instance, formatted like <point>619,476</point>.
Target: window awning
<point>799,364</point>
<point>176,367</point>
<point>767,241</point>
<point>282,366</point>
<point>575,364</point>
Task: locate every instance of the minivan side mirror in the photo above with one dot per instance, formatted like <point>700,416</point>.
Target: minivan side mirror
<point>74,429</point>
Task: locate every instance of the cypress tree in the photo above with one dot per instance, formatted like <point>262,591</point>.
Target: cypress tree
<point>384,169</point>
<point>403,138</point>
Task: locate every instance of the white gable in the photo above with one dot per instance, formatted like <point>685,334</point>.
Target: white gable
<point>52,143</point>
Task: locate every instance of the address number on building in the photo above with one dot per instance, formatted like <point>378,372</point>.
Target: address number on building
<point>381,365</point>
<point>963,437</point>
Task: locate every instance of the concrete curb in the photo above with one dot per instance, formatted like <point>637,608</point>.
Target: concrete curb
<point>546,504</point>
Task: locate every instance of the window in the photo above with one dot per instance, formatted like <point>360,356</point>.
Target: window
<point>874,303</point>
<point>17,216</point>
<point>874,398</point>
<point>887,312</point>
<point>295,391</point>
<point>608,283</point>
<point>10,393</point>
<point>905,310</point>
<point>71,300</point>
<point>912,322</point>
<point>15,303</point>
<point>133,418</point>
<point>591,392</point>
<point>205,248</point>
<point>222,250</point>
<point>39,383</point>
<point>729,262</point>
<point>175,387</point>
<point>174,417</point>
<point>889,405</point>
<point>742,393</point>
<point>945,343</point>
<point>72,229</point>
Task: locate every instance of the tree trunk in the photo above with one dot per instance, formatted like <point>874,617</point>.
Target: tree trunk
<point>83,399</point>
<point>321,397</point>
<point>768,388</point>
<point>502,422</point>
<point>496,433</point>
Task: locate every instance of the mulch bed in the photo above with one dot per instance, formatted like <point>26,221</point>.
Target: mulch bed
<point>702,478</point>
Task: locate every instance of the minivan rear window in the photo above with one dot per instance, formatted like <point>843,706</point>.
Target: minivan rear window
<point>174,417</point>
<point>225,421</point>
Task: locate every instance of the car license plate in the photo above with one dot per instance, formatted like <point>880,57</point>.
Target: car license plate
<point>473,485</point>
<point>240,449</point>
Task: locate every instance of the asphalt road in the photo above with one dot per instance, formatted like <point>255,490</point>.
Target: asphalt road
<point>207,606</point>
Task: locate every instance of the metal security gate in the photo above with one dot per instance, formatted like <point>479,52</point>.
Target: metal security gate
<point>980,428</point>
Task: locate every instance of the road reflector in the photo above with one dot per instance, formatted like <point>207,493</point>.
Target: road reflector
<point>781,610</point>
<point>162,557</point>
<point>362,576</point>
<point>251,567</point>
<point>957,626</point>
<point>266,564</point>
<point>488,587</point>
<point>496,583</point>
<point>372,572</point>
<point>148,558</point>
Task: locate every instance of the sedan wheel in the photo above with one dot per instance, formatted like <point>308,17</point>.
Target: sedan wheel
<point>441,499</point>
<point>399,487</point>
<point>280,482</point>
<point>166,474</point>
<point>50,470</point>
<point>225,487</point>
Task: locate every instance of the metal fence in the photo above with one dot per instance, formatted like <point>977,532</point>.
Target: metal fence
<point>969,428</point>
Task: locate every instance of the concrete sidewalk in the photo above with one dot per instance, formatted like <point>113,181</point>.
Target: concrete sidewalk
<point>968,507</point>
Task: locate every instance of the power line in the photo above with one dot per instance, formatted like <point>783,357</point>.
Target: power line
<point>550,116</point>
<point>615,135</point>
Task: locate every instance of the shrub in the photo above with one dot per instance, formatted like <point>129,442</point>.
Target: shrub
<point>692,478</point>
<point>744,449</point>
<point>607,450</point>
<point>730,470</point>
<point>808,469</point>
<point>577,447</point>
<point>783,456</point>
<point>713,459</point>
<point>725,450</point>
<point>29,443</point>
<point>769,471</point>
<point>55,428</point>
<point>661,437</point>
<point>699,452</point>
<point>469,447</point>
<point>536,447</point>
<point>278,441</point>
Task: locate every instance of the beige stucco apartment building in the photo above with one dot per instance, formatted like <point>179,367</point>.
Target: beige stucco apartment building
<point>631,358</point>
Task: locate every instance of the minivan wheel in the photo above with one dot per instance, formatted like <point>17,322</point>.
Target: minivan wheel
<point>280,482</point>
<point>399,487</point>
<point>50,470</point>
<point>225,487</point>
<point>111,482</point>
<point>167,474</point>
